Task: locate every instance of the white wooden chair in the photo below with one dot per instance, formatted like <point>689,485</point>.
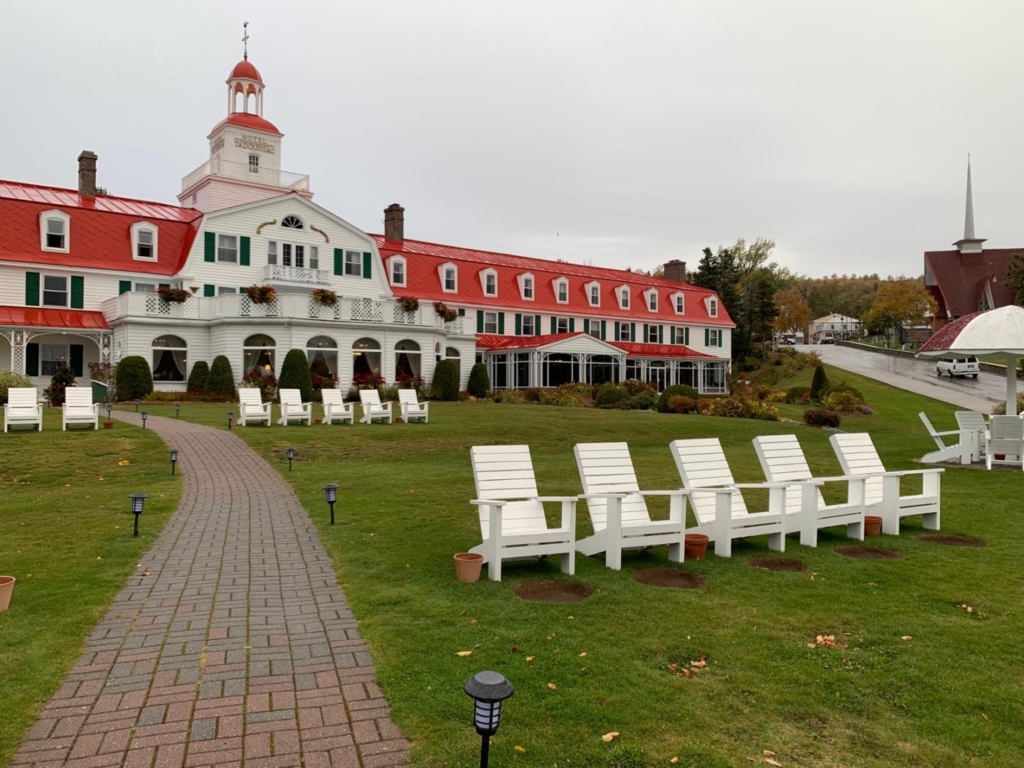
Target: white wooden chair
<point>372,406</point>
<point>1005,437</point>
<point>23,409</point>
<point>618,510</point>
<point>857,456</point>
<point>512,521</point>
<point>960,450</point>
<point>717,503</point>
<point>252,408</point>
<point>293,409</point>
<point>412,408</point>
<point>782,460</point>
<point>974,431</point>
<point>336,410</point>
<point>79,408</point>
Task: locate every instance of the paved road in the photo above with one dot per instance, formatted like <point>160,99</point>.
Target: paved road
<point>917,376</point>
<point>232,645</point>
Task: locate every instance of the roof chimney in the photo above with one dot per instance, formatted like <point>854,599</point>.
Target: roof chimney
<point>394,223</point>
<point>675,271</point>
<point>87,173</point>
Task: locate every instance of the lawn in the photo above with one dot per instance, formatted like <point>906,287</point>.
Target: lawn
<point>915,679</point>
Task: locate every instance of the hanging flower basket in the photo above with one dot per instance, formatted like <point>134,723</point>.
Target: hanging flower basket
<point>409,303</point>
<point>325,297</point>
<point>261,294</point>
<point>173,295</point>
<point>446,314</point>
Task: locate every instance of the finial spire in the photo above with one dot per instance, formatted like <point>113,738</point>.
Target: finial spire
<point>969,215</point>
<point>245,42</point>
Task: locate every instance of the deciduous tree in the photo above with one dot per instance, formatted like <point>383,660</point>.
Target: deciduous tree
<point>900,302</point>
<point>794,314</point>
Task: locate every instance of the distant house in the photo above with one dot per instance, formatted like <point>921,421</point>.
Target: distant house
<point>970,278</point>
<point>834,326</point>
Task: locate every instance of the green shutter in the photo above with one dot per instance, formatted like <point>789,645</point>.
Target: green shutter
<point>209,246</point>
<point>32,360</point>
<point>77,292</point>
<point>77,359</point>
<point>536,325</point>
<point>367,257</point>
<point>572,325</point>
<point>462,312</point>
<point>501,322</point>
<point>164,285</point>
<point>720,335</point>
<point>339,261</point>
<point>479,321</point>
<point>603,330</point>
<point>519,324</point>
<point>707,337</point>
<point>123,286</point>
<point>645,337</point>
<point>209,290</point>
<point>686,336</point>
<point>661,334</point>
<point>554,324</point>
<point>586,325</point>
<point>632,331</point>
<point>243,256</point>
<point>616,331</point>
<point>32,291</point>
<point>672,335</point>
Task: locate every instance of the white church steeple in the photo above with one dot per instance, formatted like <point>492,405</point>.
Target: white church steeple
<point>969,243</point>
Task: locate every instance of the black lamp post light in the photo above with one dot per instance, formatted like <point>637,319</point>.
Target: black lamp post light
<point>110,407</point>
<point>331,490</point>
<point>174,459</point>
<point>488,690</point>
<point>291,455</point>
<point>231,417</point>
<point>137,401</point>
<point>138,502</point>
<point>145,416</point>
<point>177,410</point>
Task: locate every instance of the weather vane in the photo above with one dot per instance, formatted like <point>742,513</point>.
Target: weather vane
<point>245,40</point>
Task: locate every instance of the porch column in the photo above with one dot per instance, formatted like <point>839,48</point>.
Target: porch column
<point>19,344</point>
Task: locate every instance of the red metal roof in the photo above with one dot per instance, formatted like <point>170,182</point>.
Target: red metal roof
<point>423,281</point>
<point>100,229</point>
<point>961,278</point>
<point>493,343</point>
<point>245,69</point>
<point>659,350</point>
<point>36,317</point>
<point>246,120</point>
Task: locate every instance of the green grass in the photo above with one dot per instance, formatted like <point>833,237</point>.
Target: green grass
<point>66,535</point>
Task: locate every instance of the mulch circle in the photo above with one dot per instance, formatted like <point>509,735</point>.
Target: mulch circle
<point>552,591</point>
<point>869,553</point>
<point>778,564</point>
<point>669,577</point>
<point>950,540</point>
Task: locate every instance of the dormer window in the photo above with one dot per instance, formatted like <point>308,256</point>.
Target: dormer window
<point>397,265</point>
<point>713,307</point>
<point>594,294</point>
<point>652,301</point>
<point>449,278</point>
<point>144,241</point>
<point>623,297</point>
<point>291,222</point>
<point>526,286</point>
<point>54,231</point>
<point>489,282</point>
<point>562,291</point>
<point>679,303</point>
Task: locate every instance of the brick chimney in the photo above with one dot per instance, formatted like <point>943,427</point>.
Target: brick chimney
<point>87,173</point>
<point>675,271</point>
<point>394,223</point>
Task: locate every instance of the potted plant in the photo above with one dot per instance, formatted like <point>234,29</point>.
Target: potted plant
<point>446,314</point>
<point>6,588</point>
<point>62,378</point>
<point>173,295</point>
<point>261,294</point>
<point>325,296</point>
<point>409,303</point>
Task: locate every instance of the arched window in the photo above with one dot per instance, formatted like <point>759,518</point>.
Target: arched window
<point>322,354</point>
<point>407,361</point>
<point>365,360</point>
<point>291,222</point>
<point>258,354</point>
<point>170,362</point>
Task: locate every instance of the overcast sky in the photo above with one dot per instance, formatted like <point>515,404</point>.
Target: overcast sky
<point>614,133</point>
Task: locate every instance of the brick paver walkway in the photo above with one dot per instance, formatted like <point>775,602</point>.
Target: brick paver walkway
<point>237,649</point>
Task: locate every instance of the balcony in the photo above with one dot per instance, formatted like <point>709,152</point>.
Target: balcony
<point>278,273</point>
<point>243,172</point>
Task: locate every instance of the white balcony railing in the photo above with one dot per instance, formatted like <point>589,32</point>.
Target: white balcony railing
<point>278,272</point>
<point>215,166</point>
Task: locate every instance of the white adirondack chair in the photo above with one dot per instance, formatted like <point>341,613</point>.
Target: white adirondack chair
<point>782,460</point>
<point>618,510</point>
<point>412,408</point>
<point>960,450</point>
<point>372,406</point>
<point>292,407</point>
<point>336,409</point>
<point>511,511</point>
<point>857,456</point>
<point>23,409</point>
<point>974,431</point>
<point>1005,437</point>
<point>252,408</point>
<point>79,408</point>
<point>717,503</point>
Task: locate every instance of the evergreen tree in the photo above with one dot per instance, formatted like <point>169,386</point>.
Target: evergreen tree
<point>197,378</point>
<point>445,385</point>
<point>221,380</point>
<point>295,375</point>
<point>134,379</point>
<point>819,384</point>
<point>479,381</point>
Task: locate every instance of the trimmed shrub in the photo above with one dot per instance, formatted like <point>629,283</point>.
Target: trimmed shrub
<point>221,380</point>
<point>681,404</point>
<point>844,387</point>
<point>532,394</point>
<point>479,381</point>
<point>134,379</point>
<point>796,394</point>
<point>742,408</point>
<point>821,417</point>
<point>295,375</point>
<point>635,387</point>
<point>645,400</point>
<point>197,379</point>
<point>846,402</point>
<point>674,391</point>
<point>610,396</point>
<point>570,395</point>
<point>445,385</point>
<point>509,396</point>
<point>819,384</point>
<point>10,379</point>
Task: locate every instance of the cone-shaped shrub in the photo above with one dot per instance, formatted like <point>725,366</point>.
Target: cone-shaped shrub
<point>445,385</point>
<point>295,375</point>
<point>221,380</point>
<point>197,379</point>
<point>479,381</point>
<point>819,383</point>
<point>134,379</point>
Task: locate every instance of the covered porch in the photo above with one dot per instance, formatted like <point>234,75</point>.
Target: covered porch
<point>32,340</point>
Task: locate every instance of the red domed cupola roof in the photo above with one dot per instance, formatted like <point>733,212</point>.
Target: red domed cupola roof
<point>245,69</point>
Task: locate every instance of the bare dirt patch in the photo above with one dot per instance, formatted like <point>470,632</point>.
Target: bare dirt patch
<point>869,553</point>
<point>778,564</point>
<point>950,540</point>
<point>552,591</point>
<point>669,577</point>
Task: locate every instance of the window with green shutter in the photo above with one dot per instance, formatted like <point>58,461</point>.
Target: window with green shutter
<point>32,290</point>
<point>367,258</point>
<point>123,286</point>
<point>209,246</point>
<point>77,292</point>
<point>243,254</point>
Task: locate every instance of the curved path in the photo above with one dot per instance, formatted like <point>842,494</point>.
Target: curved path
<point>237,648</point>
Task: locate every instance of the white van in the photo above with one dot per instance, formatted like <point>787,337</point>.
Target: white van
<point>957,366</point>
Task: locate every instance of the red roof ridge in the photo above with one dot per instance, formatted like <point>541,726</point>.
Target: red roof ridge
<point>6,183</point>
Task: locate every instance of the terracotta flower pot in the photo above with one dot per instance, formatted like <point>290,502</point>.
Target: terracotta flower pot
<point>108,425</point>
<point>6,588</point>
<point>318,421</point>
<point>696,546</point>
<point>467,566</point>
<point>872,525</point>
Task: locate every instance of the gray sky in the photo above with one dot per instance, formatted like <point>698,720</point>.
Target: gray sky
<point>615,133</point>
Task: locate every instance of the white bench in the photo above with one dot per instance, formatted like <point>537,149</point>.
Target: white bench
<point>79,408</point>
<point>23,409</point>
